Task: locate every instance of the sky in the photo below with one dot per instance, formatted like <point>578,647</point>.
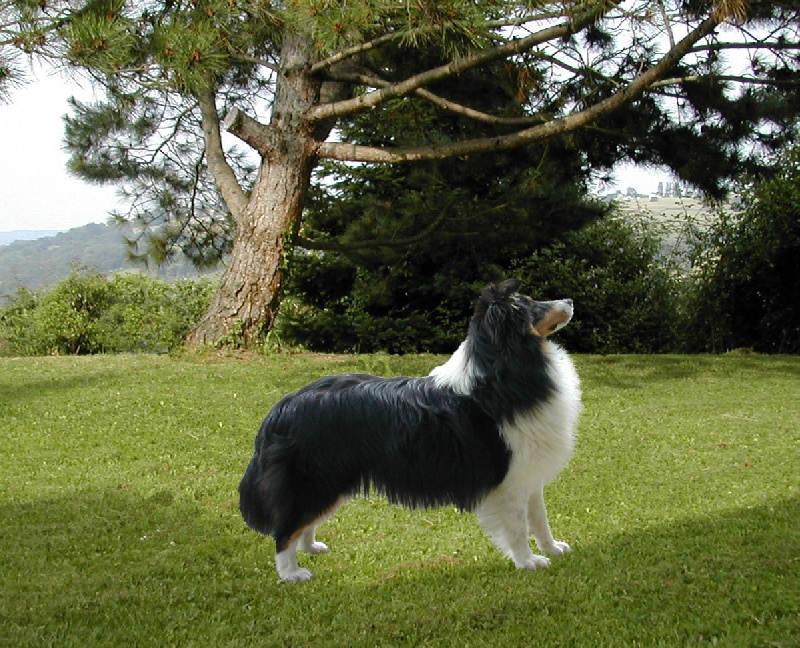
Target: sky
<point>38,193</point>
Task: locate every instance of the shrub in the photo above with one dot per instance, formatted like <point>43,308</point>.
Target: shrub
<point>745,287</point>
<point>625,292</point>
<point>626,296</point>
<point>63,320</point>
<point>89,313</point>
<point>343,308</point>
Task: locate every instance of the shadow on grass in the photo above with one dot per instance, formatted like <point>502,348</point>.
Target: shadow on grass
<point>28,388</point>
<point>114,568</point>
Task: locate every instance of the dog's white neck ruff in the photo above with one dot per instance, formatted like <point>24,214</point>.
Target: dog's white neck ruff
<point>459,373</point>
<point>544,434</point>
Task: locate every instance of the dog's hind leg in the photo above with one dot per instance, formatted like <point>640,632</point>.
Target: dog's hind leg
<point>286,545</point>
<point>309,543</point>
<point>505,521</point>
<point>287,567</point>
<point>303,539</point>
<point>539,526</point>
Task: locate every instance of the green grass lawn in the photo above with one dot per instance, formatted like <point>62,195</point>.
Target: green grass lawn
<point>119,522</point>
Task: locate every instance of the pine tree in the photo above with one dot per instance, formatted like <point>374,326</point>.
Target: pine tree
<point>646,82</point>
<point>389,257</point>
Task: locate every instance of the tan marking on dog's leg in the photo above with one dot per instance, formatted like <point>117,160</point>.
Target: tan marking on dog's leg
<point>305,535</point>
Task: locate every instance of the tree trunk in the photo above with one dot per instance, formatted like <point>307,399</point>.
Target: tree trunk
<point>246,303</point>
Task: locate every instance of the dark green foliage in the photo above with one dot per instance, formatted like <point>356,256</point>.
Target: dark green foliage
<point>400,252</point>
<point>376,313</point>
<point>89,313</point>
<point>626,294</point>
<point>746,286</point>
<point>626,299</point>
<point>417,297</point>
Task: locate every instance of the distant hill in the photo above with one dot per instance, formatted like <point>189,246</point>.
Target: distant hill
<point>24,235</point>
<point>47,260</point>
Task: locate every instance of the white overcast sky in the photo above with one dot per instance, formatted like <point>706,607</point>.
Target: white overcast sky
<point>37,192</point>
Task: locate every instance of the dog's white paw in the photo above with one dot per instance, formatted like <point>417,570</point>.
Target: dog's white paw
<point>558,548</point>
<point>299,575</point>
<point>533,562</point>
<point>317,548</point>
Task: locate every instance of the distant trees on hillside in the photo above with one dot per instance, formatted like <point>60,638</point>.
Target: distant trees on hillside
<point>48,260</point>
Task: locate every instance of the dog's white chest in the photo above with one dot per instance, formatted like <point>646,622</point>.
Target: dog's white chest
<point>543,438</point>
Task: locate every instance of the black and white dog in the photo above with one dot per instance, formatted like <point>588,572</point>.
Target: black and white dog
<point>484,431</point>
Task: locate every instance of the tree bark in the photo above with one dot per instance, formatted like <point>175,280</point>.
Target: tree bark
<point>246,303</point>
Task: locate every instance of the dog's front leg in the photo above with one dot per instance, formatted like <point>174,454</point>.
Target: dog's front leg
<point>504,521</point>
<point>539,526</point>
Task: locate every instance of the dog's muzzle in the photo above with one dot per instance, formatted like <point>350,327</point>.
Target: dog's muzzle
<point>558,315</point>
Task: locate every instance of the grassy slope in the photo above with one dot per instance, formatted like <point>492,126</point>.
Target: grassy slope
<point>120,525</point>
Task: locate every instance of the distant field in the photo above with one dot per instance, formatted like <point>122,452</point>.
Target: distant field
<point>120,527</point>
<point>674,219</point>
<point>671,210</point>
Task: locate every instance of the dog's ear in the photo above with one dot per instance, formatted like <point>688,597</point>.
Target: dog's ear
<point>499,292</point>
<point>508,287</point>
<point>493,311</point>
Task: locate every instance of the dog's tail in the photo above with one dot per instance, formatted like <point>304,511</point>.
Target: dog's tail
<point>254,500</point>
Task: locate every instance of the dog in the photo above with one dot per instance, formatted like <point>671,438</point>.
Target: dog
<point>484,432</point>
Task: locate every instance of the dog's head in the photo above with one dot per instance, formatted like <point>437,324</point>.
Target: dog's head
<point>505,340</point>
<point>507,317</point>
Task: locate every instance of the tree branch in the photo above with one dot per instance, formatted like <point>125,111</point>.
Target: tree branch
<point>402,88</point>
<point>667,26</point>
<point>716,77</point>
<point>356,153</point>
<point>246,58</point>
<point>224,177</point>
<point>356,49</point>
<point>477,115</point>
<point>441,102</point>
<point>334,246</point>
<point>252,132</point>
<point>770,45</point>
<point>360,48</point>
